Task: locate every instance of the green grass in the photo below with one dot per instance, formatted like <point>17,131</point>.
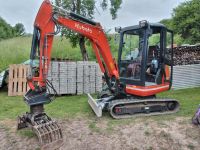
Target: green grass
<point>76,106</point>
<point>93,127</point>
<point>26,133</point>
<point>68,106</point>
<point>17,50</point>
<point>13,51</point>
<point>189,100</point>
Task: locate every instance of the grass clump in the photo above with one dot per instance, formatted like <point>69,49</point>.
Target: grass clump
<point>73,106</point>
<point>26,133</point>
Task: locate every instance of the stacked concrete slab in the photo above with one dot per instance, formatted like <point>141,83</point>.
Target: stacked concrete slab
<point>89,77</point>
<point>80,77</point>
<point>99,81</point>
<point>53,77</point>
<point>71,80</point>
<point>62,75</point>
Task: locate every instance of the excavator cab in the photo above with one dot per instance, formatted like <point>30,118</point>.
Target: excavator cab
<point>146,55</point>
<point>145,64</point>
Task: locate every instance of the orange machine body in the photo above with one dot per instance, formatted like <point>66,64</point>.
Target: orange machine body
<point>46,22</point>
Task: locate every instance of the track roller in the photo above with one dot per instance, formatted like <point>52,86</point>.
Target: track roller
<point>127,108</point>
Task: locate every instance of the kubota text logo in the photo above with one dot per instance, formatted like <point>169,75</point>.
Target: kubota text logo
<point>81,27</point>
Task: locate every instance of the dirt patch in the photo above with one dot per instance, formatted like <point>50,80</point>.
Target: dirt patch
<point>86,134</point>
<point>11,139</point>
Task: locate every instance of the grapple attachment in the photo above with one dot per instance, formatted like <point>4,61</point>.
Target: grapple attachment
<point>47,130</point>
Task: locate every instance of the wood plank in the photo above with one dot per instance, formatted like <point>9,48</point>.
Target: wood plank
<point>17,80</point>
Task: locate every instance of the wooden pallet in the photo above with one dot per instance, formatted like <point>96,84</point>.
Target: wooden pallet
<point>17,80</point>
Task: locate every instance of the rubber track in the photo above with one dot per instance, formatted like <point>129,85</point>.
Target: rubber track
<point>139,101</point>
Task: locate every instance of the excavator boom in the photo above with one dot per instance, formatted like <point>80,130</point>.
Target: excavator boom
<point>49,17</point>
<point>48,21</point>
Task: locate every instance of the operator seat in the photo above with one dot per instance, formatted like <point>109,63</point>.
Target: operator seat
<point>133,70</point>
<point>154,48</point>
<point>153,75</point>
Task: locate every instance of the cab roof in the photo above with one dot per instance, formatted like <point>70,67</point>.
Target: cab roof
<point>155,26</point>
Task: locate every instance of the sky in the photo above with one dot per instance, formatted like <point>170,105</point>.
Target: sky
<point>130,13</point>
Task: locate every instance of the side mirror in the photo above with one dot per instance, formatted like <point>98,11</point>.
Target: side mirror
<point>143,23</point>
<point>118,29</point>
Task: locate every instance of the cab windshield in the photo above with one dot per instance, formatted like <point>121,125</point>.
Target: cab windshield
<point>131,55</point>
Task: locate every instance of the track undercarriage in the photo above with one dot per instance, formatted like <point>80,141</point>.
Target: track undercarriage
<point>47,130</point>
<point>130,107</point>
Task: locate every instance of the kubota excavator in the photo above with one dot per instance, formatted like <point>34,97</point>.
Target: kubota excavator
<point>143,69</point>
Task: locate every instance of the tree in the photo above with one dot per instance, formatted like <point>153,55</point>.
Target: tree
<point>6,30</point>
<point>85,8</point>
<point>19,29</point>
<point>186,20</point>
<point>168,23</point>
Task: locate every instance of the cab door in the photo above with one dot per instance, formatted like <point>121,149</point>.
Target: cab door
<point>132,56</point>
<point>168,56</point>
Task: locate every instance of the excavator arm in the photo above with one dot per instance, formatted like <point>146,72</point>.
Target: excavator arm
<point>47,19</point>
<point>47,24</point>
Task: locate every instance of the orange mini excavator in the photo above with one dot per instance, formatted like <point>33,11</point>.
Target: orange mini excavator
<point>143,69</point>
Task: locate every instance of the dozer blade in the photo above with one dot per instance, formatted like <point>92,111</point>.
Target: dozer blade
<point>96,107</point>
<point>49,135</point>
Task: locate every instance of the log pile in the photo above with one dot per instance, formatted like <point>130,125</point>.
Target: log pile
<point>186,55</point>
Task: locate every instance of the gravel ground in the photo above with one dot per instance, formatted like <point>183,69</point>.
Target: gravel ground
<point>87,134</point>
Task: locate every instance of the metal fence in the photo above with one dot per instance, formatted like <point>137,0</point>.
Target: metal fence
<point>186,76</point>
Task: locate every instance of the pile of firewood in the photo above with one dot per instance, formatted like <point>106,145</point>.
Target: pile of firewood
<point>186,55</point>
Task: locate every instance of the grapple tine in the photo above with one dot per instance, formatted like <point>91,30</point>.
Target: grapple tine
<point>37,131</point>
<point>45,136</point>
<point>49,135</point>
<point>21,122</point>
<point>52,132</point>
<point>55,130</point>
<point>56,136</point>
<point>50,139</point>
<point>42,135</point>
<point>58,130</point>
